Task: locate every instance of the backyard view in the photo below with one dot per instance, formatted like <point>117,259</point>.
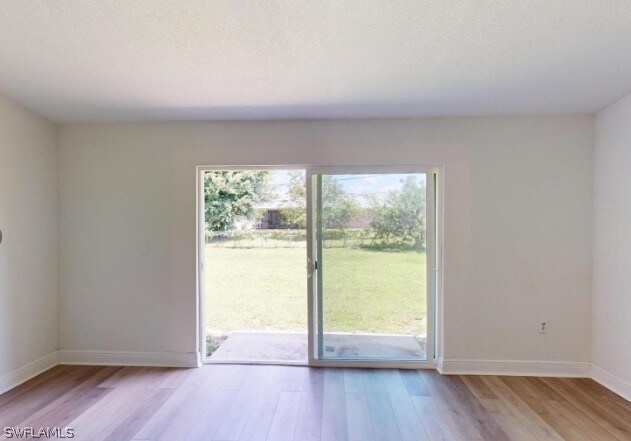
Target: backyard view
<point>373,254</point>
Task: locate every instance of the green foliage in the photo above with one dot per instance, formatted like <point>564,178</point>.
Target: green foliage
<point>338,207</point>
<point>295,207</point>
<point>295,218</point>
<point>230,195</point>
<point>401,219</point>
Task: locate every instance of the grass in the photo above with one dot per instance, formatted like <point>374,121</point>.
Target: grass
<point>265,289</point>
<point>374,291</point>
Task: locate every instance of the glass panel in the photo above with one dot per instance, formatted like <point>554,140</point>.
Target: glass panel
<point>372,266</point>
<point>254,265</point>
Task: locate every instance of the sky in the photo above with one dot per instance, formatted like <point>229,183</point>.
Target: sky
<point>361,185</point>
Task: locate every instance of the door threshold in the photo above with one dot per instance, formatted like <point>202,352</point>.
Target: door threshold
<point>350,364</point>
<point>259,362</point>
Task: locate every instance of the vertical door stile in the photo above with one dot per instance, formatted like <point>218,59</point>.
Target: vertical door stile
<point>320,266</point>
<point>311,282</point>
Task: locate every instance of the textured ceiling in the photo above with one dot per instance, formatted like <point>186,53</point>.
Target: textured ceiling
<point>130,60</point>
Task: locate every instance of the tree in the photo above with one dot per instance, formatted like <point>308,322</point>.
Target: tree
<point>294,210</point>
<point>400,220</point>
<point>230,195</point>
<point>338,207</point>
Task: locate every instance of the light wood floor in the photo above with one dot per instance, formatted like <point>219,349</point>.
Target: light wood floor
<point>276,403</point>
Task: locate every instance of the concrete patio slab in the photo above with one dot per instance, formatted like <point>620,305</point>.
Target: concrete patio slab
<point>292,347</point>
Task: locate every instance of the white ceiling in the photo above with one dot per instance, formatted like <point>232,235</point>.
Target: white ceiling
<point>130,60</point>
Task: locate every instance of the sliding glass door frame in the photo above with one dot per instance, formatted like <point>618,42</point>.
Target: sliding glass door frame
<point>434,274</point>
<point>433,263</point>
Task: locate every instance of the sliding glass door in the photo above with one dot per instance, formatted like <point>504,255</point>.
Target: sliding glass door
<point>370,234</point>
<point>373,264</point>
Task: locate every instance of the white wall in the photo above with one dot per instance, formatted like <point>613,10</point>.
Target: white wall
<point>28,252</point>
<point>611,302</point>
<point>518,224</point>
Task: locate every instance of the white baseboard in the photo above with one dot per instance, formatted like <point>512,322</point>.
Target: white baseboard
<point>611,382</point>
<point>25,373</point>
<point>515,367</point>
<point>166,359</point>
<point>440,365</point>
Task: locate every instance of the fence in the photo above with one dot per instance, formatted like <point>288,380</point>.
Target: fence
<point>290,238</point>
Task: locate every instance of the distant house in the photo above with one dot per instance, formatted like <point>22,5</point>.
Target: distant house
<point>272,219</point>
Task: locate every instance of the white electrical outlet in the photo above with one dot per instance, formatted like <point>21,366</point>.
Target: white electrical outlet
<point>544,325</point>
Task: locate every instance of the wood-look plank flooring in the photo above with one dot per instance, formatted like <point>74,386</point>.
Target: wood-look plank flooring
<point>282,403</point>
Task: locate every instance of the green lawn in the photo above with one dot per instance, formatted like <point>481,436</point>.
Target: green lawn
<point>265,289</point>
